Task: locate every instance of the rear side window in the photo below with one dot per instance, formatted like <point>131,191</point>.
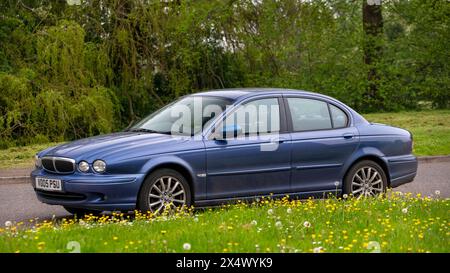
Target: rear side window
<point>340,119</point>
<point>309,114</point>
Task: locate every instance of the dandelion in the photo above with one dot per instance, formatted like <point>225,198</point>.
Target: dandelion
<point>405,210</point>
<point>278,224</point>
<point>8,223</point>
<point>437,192</point>
<point>336,183</point>
<point>270,211</point>
<point>317,249</point>
<point>307,224</point>
<point>345,196</point>
<point>186,246</point>
<point>254,223</point>
<point>289,210</point>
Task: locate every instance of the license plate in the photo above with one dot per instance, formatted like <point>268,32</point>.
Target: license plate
<point>48,184</point>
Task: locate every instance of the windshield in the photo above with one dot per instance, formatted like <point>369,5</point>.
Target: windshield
<point>186,116</point>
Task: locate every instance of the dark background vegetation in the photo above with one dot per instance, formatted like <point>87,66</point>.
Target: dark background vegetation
<point>70,71</point>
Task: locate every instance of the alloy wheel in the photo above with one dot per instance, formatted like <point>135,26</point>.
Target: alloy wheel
<point>367,181</point>
<point>166,193</point>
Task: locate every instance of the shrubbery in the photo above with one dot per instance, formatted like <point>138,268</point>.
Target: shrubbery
<point>72,71</point>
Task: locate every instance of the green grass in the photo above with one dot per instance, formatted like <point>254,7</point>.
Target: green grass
<point>395,224</point>
<point>18,157</point>
<point>431,129</point>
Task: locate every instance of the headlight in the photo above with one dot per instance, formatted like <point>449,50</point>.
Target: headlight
<point>37,161</point>
<point>83,166</point>
<point>99,166</point>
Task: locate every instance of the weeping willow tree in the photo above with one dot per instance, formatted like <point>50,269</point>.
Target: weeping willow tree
<point>68,102</point>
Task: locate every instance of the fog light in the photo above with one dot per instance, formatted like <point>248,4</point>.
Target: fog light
<point>99,166</point>
<point>83,166</point>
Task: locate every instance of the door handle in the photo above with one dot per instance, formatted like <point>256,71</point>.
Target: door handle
<point>348,135</point>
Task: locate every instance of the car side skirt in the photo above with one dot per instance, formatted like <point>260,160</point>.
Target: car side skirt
<point>292,195</point>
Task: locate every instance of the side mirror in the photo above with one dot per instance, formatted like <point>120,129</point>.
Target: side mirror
<point>228,131</point>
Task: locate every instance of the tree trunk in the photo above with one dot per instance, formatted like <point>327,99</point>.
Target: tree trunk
<point>373,30</point>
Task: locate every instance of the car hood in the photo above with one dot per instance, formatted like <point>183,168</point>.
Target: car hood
<point>116,145</point>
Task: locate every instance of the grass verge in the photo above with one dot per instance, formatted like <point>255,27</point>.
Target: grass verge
<point>399,223</point>
<point>430,129</point>
<point>18,157</point>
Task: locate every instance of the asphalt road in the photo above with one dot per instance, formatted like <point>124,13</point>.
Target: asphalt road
<point>18,201</point>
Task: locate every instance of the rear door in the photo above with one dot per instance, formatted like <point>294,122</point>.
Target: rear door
<point>322,140</point>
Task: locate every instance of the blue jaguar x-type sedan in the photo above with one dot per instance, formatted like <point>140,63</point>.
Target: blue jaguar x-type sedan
<point>212,147</point>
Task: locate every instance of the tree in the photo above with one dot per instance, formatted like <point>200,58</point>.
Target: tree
<point>373,31</point>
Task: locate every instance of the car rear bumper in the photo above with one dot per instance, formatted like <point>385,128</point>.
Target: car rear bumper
<point>92,191</point>
<point>402,169</point>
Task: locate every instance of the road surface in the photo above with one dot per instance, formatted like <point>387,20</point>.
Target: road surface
<point>18,201</point>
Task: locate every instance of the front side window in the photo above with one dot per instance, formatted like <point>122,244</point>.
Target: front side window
<point>253,118</point>
<point>309,114</point>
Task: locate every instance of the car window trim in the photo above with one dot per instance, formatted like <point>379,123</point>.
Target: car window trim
<point>289,114</point>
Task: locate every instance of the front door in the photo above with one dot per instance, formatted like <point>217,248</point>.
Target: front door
<point>255,158</point>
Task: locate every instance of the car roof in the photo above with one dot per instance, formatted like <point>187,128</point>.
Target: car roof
<point>242,93</point>
<point>235,93</point>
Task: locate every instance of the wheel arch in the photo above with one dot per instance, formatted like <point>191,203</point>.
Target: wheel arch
<point>183,169</point>
<point>372,157</point>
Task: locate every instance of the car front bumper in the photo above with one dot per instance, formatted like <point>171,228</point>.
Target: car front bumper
<point>92,191</point>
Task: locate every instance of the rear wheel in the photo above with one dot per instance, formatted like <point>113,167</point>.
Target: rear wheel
<point>164,190</point>
<point>364,179</point>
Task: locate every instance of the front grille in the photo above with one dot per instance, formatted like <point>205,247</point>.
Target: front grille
<point>60,165</point>
<point>66,196</point>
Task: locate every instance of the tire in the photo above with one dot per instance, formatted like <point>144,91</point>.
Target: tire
<point>80,213</point>
<point>164,189</point>
<point>361,179</point>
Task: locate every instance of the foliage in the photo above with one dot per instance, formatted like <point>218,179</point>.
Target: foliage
<point>62,98</point>
<point>392,224</point>
<point>69,71</point>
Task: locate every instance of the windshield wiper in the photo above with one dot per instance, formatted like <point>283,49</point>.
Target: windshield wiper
<point>144,130</point>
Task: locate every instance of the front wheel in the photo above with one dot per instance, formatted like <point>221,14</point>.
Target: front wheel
<point>364,179</point>
<point>164,190</point>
